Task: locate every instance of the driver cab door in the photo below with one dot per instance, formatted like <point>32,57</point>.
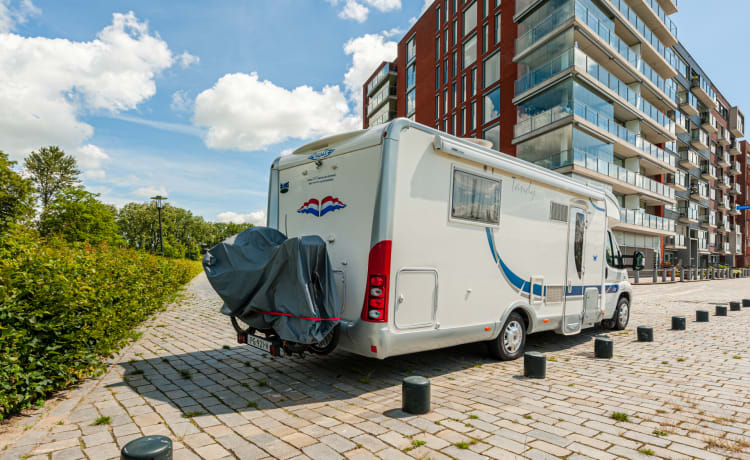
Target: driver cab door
<point>614,274</point>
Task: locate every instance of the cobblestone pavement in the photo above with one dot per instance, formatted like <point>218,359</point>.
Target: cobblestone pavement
<point>686,395</point>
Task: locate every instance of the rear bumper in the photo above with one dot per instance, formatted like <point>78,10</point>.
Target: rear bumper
<point>364,339</point>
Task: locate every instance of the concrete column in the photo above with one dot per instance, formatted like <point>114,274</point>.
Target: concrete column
<point>633,164</point>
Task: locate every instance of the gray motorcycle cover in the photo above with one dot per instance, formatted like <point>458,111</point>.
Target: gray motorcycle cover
<point>271,282</point>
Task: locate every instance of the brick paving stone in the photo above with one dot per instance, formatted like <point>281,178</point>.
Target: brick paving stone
<point>71,453</point>
<point>103,451</point>
<point>212,452</point>
<point>321,452</point>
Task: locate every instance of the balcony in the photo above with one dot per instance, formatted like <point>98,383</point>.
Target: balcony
<point>675,242</point>
<point>735,169</point>
<point>708,122</point>
<point>724,136</point>
<point>699,139</point>
<point>657,19</point>
<point>736,189</point>
<point>708,171</point>
<point>734,148</point>
<point>681,122</point>
<point>689,159</point>
<point>623,181</point>
<point>726,249</point>
<point>734,211</point>
<point>737,122</point>
<point>723,204</point>
<point>708,221</point>
<point>723,160</point>
<point>626,143</point>
<point>387,72</point>
<point>703,91</point>
<point>688,103</point>
<point>689,215</point>
<point>678,180</point>
<point>388,94</point>
<point>638,221</point>
<point>702,245</point>
<point>724,183</point>
<point>699,191</point>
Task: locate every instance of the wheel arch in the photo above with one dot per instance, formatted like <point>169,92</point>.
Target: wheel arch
<point>522,308</point>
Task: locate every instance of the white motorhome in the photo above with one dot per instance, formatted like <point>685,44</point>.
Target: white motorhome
<point>437,241</point>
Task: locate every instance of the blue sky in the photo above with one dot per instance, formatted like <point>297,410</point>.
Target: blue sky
<point>195,99</point>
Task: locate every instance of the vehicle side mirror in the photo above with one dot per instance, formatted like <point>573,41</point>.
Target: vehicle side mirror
<point>638,259</point>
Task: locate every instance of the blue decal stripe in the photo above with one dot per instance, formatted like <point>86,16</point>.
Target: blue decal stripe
<point>596,207</point>
<point>523,286</point>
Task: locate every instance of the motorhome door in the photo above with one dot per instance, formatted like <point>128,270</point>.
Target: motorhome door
<point>574,287</point>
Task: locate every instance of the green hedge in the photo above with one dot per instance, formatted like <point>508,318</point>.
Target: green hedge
<point>64,307</point>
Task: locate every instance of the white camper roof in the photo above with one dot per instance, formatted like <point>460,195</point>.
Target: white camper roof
<point>451,145</point>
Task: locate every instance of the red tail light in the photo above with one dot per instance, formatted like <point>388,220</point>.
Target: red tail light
<point>375,308</point>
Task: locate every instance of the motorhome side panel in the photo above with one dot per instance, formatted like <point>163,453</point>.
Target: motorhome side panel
<point>480,268</point>
<point>335,198</point>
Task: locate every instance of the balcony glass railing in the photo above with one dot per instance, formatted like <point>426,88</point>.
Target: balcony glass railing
<point>665,51</point>
<point>689,212</point>
<point>594,163</point>
<point>599,119</point>
<point>737,189</point>
<point>640,218</point>
<point>698,135</point>
<point>605,33</point>
<point>702,244</point>
<point>675,241</point>
<point>679,178</point>
<point>654,4</point>
<point>689,98</point>
<point>699,188</point>
<point>708,118</point>
<point>704,84</point>
<point>382,75</point>
<point>709,169</point>
<point>708,219</point>
<point>375,101</point>
<point>689,155</point>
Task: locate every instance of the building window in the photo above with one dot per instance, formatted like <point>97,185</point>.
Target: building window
<point>475,198</point>
<point>454,62</point>
<point>445,40</point>
<point>486,37</point>
<point>446,69</point>
<point>437,77</point>
<point>492,105</point>
<point>437,106</point>
<point>410,102</point>
<point>491,70</point>
<point>470,18</point>
<point>451,124</point>
<point>473,118</point>
<point>411,76</point>
<point>437,48</point>
<point>455,32</point>
<point>446,11</point>
<point>461,122</point>
<point>470,51</point>
<point>498,28</point>
<point>462,89</point>
<point>474,81</point>
<point>492,134</point>
<point>445,100</point>
<point>437,22</point>
<point>455,96</point>
<point>411,49</point>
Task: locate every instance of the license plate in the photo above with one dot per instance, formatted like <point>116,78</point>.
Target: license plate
<point>259,343</point>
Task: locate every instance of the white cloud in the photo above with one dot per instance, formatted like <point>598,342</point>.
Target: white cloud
<point>149,191</point>
<point>358,10</point>
<point>242,112</point>
<point>427,4</point>
<point>367,52</point>
<point>11,15</point>
<point>186,60</point>
<point>286,152</point>
<point>181,102</point>
<point>46,85</point>
<point>90,158</point>
<point>257,218</point>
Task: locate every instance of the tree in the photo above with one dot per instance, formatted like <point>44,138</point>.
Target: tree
<point>51,171</point>
<point>76,215</point>
<point>16,195</point>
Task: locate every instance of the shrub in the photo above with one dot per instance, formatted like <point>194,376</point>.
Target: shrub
<point>65,306</point>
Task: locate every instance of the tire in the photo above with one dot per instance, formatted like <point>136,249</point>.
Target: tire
<point>329,343</point>
<point>514,330</point>
<point>622,315</point>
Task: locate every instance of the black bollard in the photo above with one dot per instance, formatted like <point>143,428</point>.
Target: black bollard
<point>654,273</point>
<point>603,348</point>
<point>645,334</point>
<point>734,306</point>
<point>701,316</point>
<point>721,310</point>
<point>148,448</point>
<point>534,365</point>
<point>637,276</point>
<point>415,395</point>
<point>746,303</point>
<point>678,323</point>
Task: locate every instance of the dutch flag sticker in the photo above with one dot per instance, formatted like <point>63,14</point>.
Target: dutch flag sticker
<point>322,207</point>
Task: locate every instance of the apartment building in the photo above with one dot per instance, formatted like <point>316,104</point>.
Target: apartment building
<point>602,91</point>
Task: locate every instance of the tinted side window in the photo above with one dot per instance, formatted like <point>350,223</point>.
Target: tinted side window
<point>475,198</point>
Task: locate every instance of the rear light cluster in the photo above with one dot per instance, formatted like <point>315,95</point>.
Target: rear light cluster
<point>375,308</point>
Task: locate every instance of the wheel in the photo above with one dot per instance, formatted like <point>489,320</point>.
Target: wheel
<point>329,343</point>
<point>622,315</point>
<point>511,341</point>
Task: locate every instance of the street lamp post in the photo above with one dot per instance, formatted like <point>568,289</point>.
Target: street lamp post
<point>159,199</point>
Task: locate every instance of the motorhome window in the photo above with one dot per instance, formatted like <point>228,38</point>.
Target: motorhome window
<point>608,249</point>
<point>475,198</point>
<point>578,243</point>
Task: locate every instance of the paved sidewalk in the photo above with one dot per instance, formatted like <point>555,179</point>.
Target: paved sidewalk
<point>686,395</point>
